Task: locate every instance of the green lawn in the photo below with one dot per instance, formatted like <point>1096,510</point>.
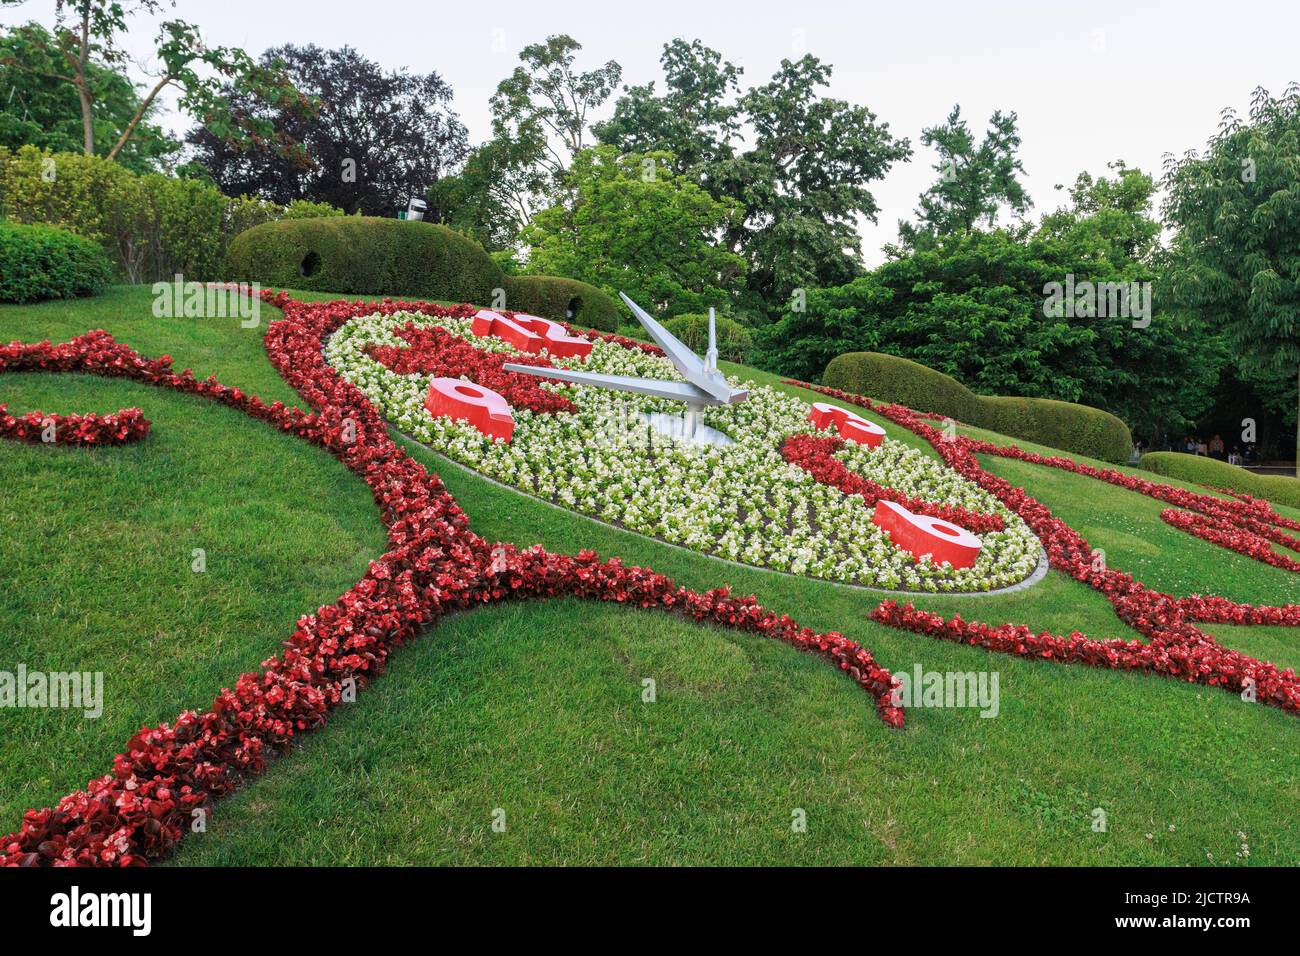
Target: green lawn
<point>536,709</point>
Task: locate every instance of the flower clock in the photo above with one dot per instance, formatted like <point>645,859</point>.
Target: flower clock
<point>819,490</point>
<point>782,493</point>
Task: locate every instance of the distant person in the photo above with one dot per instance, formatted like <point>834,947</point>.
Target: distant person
<point>1216,447</point>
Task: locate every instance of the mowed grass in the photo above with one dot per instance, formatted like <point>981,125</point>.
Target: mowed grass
<point>534,714</point>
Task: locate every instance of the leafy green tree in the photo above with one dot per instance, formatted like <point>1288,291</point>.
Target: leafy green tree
<point>1235,260</point>
<point>974,183</point>
<point>543,106</point>
<point>85,35</point>
<point>797,162</point>
<point>638,228</point>
<point>1159,377</point>
<point>696,119</point>
<point>975,305</point>
<point>493,196</point>
<point>38,108</point>
<point>971,307</point>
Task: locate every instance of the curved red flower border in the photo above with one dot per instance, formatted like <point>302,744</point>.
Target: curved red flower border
<point>435,563</point>
<point>1175,647</point>
<point>816,455</point>
<point>1227,535</point>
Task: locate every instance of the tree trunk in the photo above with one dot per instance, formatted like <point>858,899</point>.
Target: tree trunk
<point>87,120</point>
<point>83,87</point>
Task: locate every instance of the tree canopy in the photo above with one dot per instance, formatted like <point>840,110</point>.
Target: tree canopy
<point>973,305</point>
<point>974,182</point>
<point>638,228</point>
<point>1235,259</point>
<point>85,38</point>
<point>37,107</point>
<point>374,138</point>
<point>803,178</point>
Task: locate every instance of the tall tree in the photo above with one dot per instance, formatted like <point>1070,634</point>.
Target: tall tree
<point>638,228</point>
<point>974,183</point>
<point>695,120</point>
<point>375,138</point>
<point>803,180</point>
<point>86,34</point>
<point>492,197</point>
<point>37,107</point>
<point>1159,375</point>
<point>1236,256</point>
<point>545,103</point>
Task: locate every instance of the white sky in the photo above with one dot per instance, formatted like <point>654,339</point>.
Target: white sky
<point>1092,82</point>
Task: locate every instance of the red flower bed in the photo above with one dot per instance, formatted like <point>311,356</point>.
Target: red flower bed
<point>119,428</point>
<point>622,340</point>
<point>1179,651</point>
<point>434,564</point>
<point>435,351</point>
<point>1176,646</point>
<point>816,455</point>
<point>1227,535</point>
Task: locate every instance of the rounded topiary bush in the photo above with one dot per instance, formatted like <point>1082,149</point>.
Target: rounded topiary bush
<point>734,340</point>
<point>1081,429</point>
<point>42,262</point>
<point>365,255</point>
<point>889,378</point>
<point>555,297</point>
<point>1212,473</point>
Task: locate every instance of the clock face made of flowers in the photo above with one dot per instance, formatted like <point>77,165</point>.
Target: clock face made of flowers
<point>592,423</point>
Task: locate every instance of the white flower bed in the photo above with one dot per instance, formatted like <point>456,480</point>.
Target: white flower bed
<point>743,502</point>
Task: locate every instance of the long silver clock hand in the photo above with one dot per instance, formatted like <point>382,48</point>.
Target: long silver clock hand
<point>679,391</point>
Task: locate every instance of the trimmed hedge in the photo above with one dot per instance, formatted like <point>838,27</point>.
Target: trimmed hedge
<point>42,262</point>
<point>893,379</point>
<point>365,255</point>
<point>1080,429</point>
<point>734,340</point>
<point>555,297</point>
<point>1279,489</point>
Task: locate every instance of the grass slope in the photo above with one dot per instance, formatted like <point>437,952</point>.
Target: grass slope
<point>536,709</point>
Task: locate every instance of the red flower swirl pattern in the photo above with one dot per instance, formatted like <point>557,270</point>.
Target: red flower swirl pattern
<point>1175,647</point>
<point>434,564</point>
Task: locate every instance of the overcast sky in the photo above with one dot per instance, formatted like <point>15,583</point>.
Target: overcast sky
<point>1091,82</point>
